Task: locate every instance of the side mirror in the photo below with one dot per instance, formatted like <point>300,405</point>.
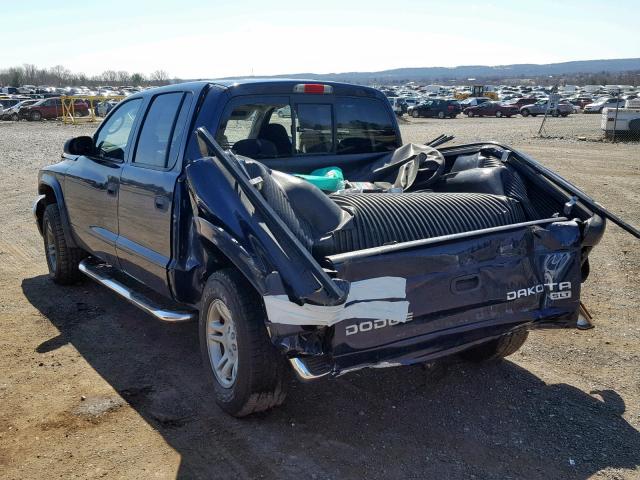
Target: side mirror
<point>80,146</point>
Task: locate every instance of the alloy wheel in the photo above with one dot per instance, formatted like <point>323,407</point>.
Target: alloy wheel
<point>222,343</point>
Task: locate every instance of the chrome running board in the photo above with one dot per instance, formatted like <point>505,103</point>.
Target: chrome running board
<point>100,273</point>
<point>303,372</point>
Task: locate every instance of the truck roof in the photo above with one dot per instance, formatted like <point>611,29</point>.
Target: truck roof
<point>247,86</point>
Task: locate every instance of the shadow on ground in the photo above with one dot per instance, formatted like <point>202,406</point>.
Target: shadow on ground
<point>457,421</point>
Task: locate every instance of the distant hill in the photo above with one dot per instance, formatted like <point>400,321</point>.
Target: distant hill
<point>463,72</point>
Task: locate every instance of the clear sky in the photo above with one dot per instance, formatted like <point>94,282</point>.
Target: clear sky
<point>209,38</point>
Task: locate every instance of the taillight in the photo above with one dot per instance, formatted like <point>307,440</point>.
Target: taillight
<point>314,88</point>
<point>450,107</point>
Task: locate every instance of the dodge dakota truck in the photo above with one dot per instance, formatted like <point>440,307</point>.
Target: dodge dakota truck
<point>198,201</point>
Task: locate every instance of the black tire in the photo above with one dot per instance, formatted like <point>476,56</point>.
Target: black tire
<point>35,116</point>
<point>564,114</point>
<point>498,348</point>
<point>555,113</point>
<point>261,373</point>
<point>534,114</point>
<point>469,114</point>
<point>15,117</point>
<point>415,113</point>
<point>525,112</point>
<point>441,115</point>
<point>498,114</point>
<point>62,259</point>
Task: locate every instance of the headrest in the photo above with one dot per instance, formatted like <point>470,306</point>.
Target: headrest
<point>255,148</point>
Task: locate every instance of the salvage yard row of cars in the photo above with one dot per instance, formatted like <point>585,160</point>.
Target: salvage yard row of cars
<point>36,103</point>
<point>448,102</point>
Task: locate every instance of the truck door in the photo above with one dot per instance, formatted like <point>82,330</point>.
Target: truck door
<point>147,185</point>
<point>91,183</point>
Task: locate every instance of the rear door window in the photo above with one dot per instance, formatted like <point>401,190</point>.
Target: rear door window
<point>157,131</point>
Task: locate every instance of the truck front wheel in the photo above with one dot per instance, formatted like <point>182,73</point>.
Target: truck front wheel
<point>498,348</point>
<point>248,373</point>
<point>62,259</point>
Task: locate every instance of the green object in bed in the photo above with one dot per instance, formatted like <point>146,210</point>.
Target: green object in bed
<point>328,179</point>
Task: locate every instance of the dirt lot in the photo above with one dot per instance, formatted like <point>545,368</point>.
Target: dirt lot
<point>90,387</point>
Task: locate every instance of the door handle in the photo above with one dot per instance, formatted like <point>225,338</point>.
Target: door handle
<point>112,188</point>
<point>161,202</point>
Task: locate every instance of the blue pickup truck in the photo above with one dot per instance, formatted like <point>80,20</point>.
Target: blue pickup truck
<point>198,201</point>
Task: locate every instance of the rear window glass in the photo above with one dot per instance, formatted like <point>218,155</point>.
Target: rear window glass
<point>341,125</point>
<point>362,126</point>
<point>313,128</point>
<point>257,130</point>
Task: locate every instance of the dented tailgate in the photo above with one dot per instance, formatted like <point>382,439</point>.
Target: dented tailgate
<point>486,284</point>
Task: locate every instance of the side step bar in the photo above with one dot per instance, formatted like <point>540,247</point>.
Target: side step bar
<point>100,273</point>
<point>306,370</point>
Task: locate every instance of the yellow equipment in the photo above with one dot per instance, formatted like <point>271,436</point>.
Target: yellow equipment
<point>68,107</point>
<point>477,91</point>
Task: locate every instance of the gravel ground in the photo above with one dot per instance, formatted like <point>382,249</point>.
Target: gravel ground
<point>92,388</point>
<point>508,130</point>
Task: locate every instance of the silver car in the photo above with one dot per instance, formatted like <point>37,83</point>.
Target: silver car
<point>540,107</point>
<point>602,103</point>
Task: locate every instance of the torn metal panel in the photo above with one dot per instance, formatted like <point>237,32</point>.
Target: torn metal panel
<point>381,298</point>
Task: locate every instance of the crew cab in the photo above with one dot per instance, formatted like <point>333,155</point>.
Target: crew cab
<point>197,201</point>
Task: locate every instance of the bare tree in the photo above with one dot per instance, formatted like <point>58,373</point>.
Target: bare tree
<point>159,77</point>
<point>122,77</point>
<point>110,76</point>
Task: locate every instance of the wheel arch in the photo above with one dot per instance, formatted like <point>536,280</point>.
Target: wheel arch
<point>218,250</point>
<point>50,191</point>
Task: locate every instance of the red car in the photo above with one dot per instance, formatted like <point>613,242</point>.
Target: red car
<point>491,109</point>
<point>51,108</point>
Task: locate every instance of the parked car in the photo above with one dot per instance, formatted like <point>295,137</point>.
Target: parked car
<point>6,103</point>
<point>284,112</point>
<point>580,101</point>
<point>436,108</point>
<point>282,275</point>
<point>472,102</point>
<point>12,113</point>
<point>540,107</point>
<point>602,103</point>
<point>51,108</point>
<point>398,105</point>
<point>521,102</point>
<point>103,108</point>
<point>491,109</point>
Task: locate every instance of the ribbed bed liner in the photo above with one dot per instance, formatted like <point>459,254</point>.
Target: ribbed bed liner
<point>384,218</point>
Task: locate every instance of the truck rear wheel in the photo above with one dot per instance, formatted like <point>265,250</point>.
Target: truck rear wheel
<point>62,259</point>
<point>248,373</point>
<point>498,348</point>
